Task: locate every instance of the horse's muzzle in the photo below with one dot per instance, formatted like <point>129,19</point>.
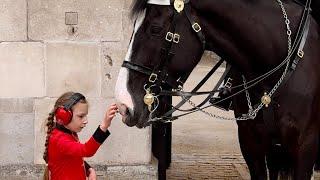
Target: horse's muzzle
<point>126,115</point>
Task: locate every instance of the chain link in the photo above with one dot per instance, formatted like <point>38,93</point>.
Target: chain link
<point>247,93</point>
<point>287,22</point>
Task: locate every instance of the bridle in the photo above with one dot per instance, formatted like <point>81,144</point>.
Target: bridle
<point>159,76</point>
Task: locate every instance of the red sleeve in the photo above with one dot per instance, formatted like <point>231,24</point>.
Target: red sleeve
<point>68,146</point>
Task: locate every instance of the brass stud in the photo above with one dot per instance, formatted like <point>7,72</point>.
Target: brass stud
<point>266,99</point>
<point>178,5</point>
<point>148,99</point>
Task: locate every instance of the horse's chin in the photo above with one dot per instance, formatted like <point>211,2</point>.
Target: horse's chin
<point>126,114</point>
<point>130,119</point>
<point>141,125</point>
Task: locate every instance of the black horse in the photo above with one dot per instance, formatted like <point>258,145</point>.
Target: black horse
<point>255,37</point>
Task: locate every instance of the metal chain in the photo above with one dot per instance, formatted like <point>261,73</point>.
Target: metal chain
<point>253,113</point>
<point>247,116</point>
<point>247,93</point>
<point>287,22</point>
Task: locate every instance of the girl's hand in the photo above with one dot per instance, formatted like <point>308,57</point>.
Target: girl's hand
<point>92,174</point>
<point>110,114</point>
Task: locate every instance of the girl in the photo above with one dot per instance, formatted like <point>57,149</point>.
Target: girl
<point>63,152</point>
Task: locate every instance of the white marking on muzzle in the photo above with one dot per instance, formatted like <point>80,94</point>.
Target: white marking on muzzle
<point>121,91</point>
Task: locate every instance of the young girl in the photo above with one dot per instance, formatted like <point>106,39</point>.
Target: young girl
<point>63,152</point>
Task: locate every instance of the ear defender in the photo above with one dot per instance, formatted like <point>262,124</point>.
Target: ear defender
<point>63,116</point>
<point>64,113</point>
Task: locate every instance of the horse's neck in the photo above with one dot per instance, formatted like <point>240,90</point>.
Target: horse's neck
<point>315,6</point>
<point>248,34</point>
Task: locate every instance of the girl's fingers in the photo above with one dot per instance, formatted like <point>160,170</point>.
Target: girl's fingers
<point>113,112</point>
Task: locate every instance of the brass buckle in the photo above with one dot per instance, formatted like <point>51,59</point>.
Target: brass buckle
<point>228,83</point>
<point>196,27</point>
<point>300,53</point>
<point>169,36</point>
<point>176,38</point>
<point>153,77</point>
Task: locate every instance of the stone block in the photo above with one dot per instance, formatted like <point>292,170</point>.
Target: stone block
<point>13,105</point>
<point>13,18</point>
<point>98,20</point>
<point>73,67</point>
<point>127,5</point>
<point>112,57</point>
<point>128,24</point>
<point>125,146</point>
<point>42,108</point>
<point>22,70</point>
<point>17,137</point>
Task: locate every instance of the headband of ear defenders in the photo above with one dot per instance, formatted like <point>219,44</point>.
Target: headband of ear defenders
<point>74,99</point>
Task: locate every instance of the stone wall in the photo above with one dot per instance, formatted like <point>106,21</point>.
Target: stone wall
<point>50,47</point>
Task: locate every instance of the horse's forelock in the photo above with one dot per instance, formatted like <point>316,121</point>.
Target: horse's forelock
<point>138,6</point>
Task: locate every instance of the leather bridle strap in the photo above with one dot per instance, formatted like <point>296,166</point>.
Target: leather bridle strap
<point>195,26</point>
<point>136,67</point>
<point>160,69</point>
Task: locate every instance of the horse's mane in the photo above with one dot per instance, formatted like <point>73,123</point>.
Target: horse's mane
<point>138,6</point>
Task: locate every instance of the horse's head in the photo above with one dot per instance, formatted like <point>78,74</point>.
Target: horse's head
<point>164,49</point>
<point>166,45</point>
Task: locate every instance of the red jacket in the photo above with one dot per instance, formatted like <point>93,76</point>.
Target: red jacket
<point>65,153</point>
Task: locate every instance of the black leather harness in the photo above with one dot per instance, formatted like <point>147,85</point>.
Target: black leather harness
<point>159,76</point>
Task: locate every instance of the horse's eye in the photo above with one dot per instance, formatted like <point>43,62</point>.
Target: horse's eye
<point>155,30</point>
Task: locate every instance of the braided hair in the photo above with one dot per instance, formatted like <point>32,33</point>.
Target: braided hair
<point>50,121</point>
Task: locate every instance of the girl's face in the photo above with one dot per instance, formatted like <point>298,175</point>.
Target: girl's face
<point>79,118</point>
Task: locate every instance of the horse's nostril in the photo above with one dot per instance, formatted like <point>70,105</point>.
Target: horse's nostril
<point>123,109</point>
<point>127,111</point>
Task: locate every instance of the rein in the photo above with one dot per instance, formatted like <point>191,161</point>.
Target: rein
<point>159,75</point>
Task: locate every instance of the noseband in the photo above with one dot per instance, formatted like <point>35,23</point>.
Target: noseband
<point>159,76</point>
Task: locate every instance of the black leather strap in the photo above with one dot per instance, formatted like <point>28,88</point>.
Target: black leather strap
<point>301,46</point>
<point>193,22</point>
<point>136,67</point>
